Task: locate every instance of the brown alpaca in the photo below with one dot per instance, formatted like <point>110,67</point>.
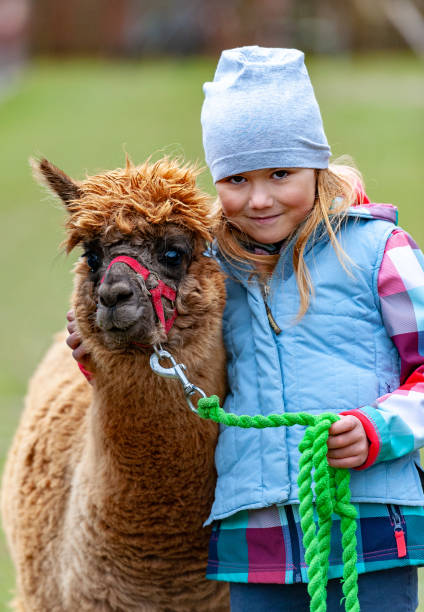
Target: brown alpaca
<point>106,487</point>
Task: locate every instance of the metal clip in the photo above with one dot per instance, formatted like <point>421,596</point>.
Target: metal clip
<point>174,371</point>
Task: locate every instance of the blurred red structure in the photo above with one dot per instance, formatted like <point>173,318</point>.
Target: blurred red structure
<point>78,26</point>
<point>140,27</point>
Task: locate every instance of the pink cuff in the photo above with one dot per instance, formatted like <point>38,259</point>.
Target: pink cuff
<point>87,374</point>
<point>372,435</point>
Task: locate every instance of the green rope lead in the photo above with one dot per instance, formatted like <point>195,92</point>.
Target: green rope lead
<point>332,495</point>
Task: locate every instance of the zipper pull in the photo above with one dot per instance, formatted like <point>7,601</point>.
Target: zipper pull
<point>271,320</point>
<point>399,534</point>
<point>400,543</point>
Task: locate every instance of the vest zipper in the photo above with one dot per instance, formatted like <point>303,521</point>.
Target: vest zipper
<point>396,521</point>
<point>271,320</point>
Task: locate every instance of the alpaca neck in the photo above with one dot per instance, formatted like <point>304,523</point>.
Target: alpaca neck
<point>130,406</point>
<point>140,457</point>
<point>138,422</point>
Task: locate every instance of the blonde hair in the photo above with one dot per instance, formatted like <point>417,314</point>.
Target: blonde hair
<point>337,189</point>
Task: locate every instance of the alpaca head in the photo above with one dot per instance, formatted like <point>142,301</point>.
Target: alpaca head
<point>152,216</point>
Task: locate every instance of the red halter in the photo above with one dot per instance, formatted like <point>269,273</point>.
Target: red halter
<point>157,292</point>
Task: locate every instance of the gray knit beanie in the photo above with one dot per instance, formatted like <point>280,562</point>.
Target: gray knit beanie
<point>260,111</point>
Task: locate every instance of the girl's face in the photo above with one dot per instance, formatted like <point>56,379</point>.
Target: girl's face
<point>268,204</point>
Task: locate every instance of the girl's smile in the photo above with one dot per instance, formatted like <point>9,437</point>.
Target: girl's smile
<point>268,204</point>
<point>265,220</point>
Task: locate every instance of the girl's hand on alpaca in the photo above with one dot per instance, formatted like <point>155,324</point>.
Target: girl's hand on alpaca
<point>74,342</point>
<point>347,443</point>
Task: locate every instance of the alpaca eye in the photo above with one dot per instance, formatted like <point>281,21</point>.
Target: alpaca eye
<point>93,260</point>
<point>172,257</point>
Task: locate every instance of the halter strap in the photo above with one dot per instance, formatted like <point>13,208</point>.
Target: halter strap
<point>157,292</point>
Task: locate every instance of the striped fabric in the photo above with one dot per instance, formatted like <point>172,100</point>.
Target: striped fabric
<point>265,545</point>
<point>397,418</point>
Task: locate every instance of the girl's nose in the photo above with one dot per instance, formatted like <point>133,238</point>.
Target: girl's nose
<point>260,197</point>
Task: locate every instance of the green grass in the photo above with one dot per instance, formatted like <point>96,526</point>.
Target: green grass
<point>83,115</point>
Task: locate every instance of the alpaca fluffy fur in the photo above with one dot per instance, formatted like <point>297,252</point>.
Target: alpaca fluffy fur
<point>106,487</point>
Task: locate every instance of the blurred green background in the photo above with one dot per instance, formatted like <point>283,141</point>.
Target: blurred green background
<point>84,116</point>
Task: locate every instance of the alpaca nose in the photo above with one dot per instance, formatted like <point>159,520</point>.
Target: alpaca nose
<point>115,292</point>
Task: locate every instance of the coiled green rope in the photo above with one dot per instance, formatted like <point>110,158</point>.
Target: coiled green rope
<point>332,495</point>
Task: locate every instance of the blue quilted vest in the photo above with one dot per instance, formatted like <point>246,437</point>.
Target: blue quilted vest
<point>337,357</point>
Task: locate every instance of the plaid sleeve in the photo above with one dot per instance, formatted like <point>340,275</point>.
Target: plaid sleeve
<point>394,423</point>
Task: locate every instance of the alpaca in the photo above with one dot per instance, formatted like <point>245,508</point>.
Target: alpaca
<point>107,486</point>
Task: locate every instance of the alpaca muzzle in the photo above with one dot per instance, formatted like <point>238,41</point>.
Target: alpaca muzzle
<point>161,290</point>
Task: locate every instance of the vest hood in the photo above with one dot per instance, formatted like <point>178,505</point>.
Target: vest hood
<point>369,210</point>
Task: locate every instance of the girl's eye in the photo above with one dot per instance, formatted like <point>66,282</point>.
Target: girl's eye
<point>172,257</point>
<point>236,180</point>
<point>279,174</point>
<point>93,260</point>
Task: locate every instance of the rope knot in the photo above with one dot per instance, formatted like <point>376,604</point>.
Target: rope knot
<point>208,407</point>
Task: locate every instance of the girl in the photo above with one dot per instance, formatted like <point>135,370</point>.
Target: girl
<point>324,311</point>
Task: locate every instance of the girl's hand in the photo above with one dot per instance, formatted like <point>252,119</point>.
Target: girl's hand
<point>74,342</point>
<point>347,443</point>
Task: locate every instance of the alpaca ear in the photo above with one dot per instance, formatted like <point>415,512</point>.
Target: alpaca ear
<point>55,179</point>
